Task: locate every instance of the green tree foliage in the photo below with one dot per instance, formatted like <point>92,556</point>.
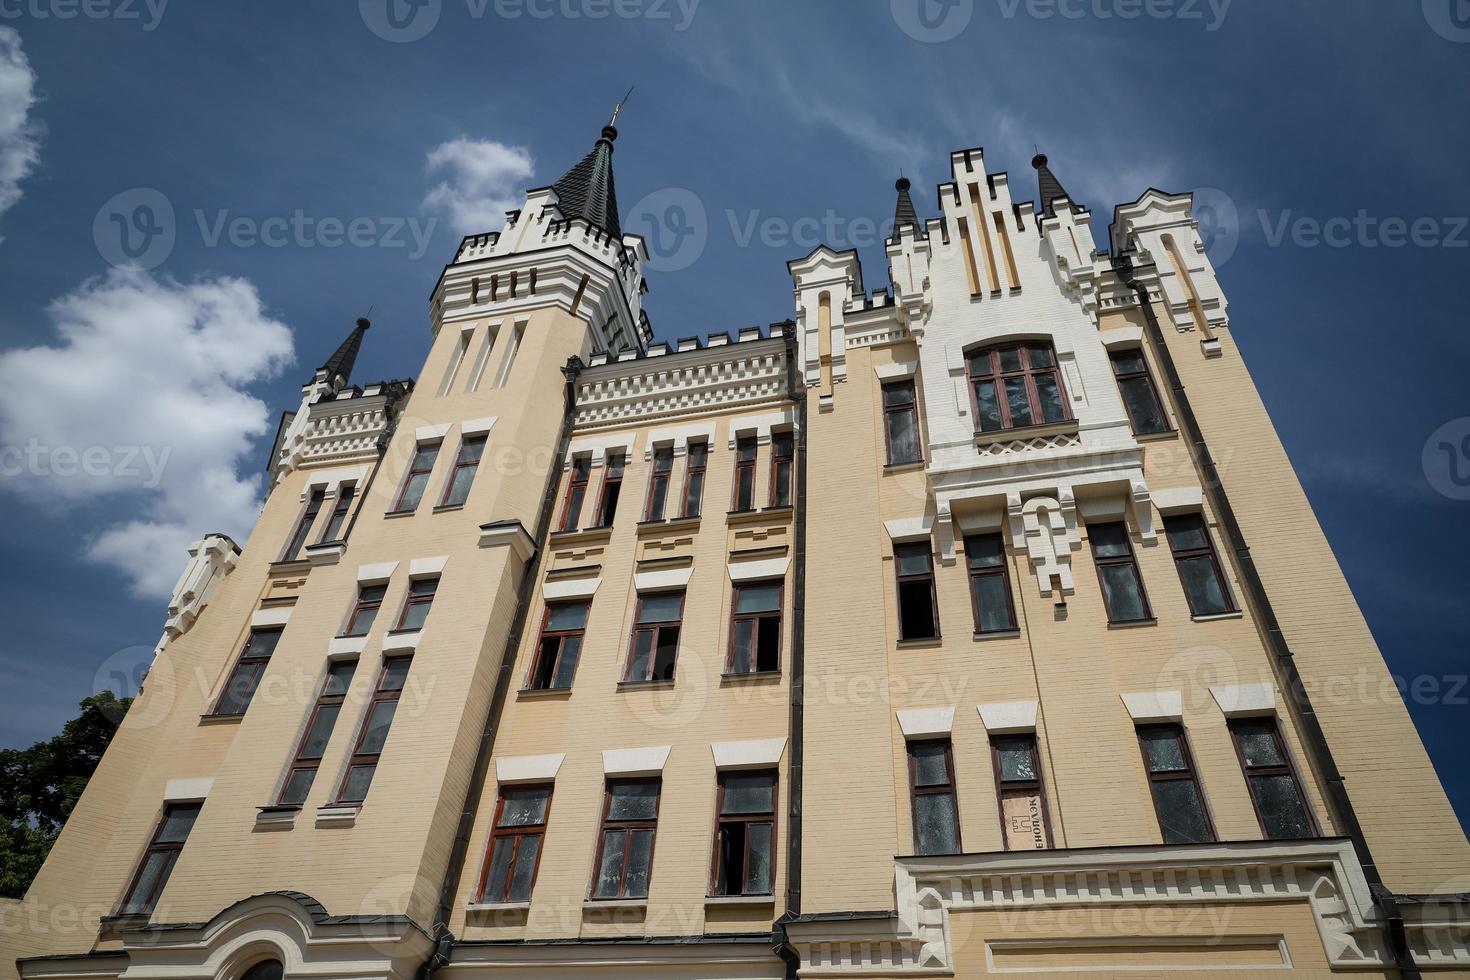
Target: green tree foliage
<point>40,785</point>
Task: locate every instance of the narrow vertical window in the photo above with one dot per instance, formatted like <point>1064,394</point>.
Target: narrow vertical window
<point>745,450</point>
<point>901,423</point>
<point>612,488</point>
<point>745,834</point>
<point>658,483</point>
<point>515,844</point>
<point>1171,777</point>
<point>319,725</point>
<point>417,478</point>
<point>1140,396</point>
<point>918,605</point>
<point>1198,565</point>
<point>1023,820</point>
<point>512,346</point>
<point>782,454</point>
<point>694,478</point>
<point>1016,385</point>
<point>159,859</point>
<point>655,643</point>
<point>625,847</point>
<point>416,605</point>
<point>571,511</point>
<point>245,677</point>
<point>936,814</point>
<point>302,530</point>
<point>365,609</point>
<point>990,583</point>
<point>466,464</point>
<point>1275,791</point>
<point>374,734</point>
<point>338,519</point>
<point>755,628</point>
<point>562,630</point>
<point>1117,570</point>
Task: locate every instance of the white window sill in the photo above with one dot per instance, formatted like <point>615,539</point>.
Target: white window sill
<point>593,904</point>
<point>326,553</point>
<point>346,644</point>
<point>337,816</point>
<point>497,906</point>
<point>1237,614</point>
<point>740,900</point>
<point>401,642</point>
<point>276,818</point>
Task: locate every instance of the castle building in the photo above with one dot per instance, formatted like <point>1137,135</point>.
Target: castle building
<point>974,623</point>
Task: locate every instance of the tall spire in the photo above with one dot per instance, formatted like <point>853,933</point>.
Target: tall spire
<point>340,364</point>
<point>586,191</point>
<point>904,214</point>
<point>1051,188</point>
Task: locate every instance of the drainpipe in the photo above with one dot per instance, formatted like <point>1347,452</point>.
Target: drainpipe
<point>1343,814</point>
<point>797,395</point>
<point>443,938</point>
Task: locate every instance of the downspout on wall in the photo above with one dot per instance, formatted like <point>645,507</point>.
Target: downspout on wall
<point>797,394</point>
<point>1283,661</point>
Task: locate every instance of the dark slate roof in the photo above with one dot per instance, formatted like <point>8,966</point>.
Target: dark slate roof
<point>904,213</point>
<point>586,191</point>
<point>340,364</point>
<point>1051,188</point>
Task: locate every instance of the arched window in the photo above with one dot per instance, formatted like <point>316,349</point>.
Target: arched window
<point>265,970</point>
<point>1016,385</point>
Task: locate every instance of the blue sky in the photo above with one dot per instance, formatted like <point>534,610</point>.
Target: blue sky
<point>1330,134</point>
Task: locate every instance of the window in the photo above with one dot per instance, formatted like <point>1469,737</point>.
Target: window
<point>158,860</point>
<point>918,606</point>
<point>612,489</point>
<point>1177,798</point>
<point>365,610</point>
<point>755,628</point>
<point>245,678</point>
<point>1140,397</point>
<point>1199,567</point>
<point>515,844</point>
<point>416,604</point>
<point>319,726</point>
<point>1024,822</point>
<point>655,641</point>
<point>694,478</point>
<point>658,483</point>
<point>265,970</point>
<point>1275,791</point>
<point>1016,385</point>
<point>561,643</point>
<point>782,448</point>
<point>335,523</point>
<point>901,423</point>
<point>936,816</point>
<point>370,740</point>
<point>303,525</point>
<point>625,848</point>
<point>990,583</point>
<point>466,463</point>
<point>745,834</point>
<point>571,511</point>
<point>419,469</point>
<point>744,474</point>
<point>1117,570</point>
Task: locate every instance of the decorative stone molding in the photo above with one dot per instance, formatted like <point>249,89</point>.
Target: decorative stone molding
<point>1045,528</point>
<point>664,578</point>
<point>753,754</point>
<point>423,567</point>
<point>341,646</point>
<point>909,528</point>
<point>402,642</point>
<point>376,573</point>
<point>1063,440</point>
<point>187,790</point>
<point>1121,338</point>
<point>330,480</point>
<point>1178,500</point>
<point>274,616</point>
<point>331,430</point>
<point>528,768</point>
<point>596,447</point>
<point>635,762</point>
<point>1145,707</point>
<point>679,437</point>
<point>432,433</point>
<point>580,587</point>
<point>925,722</point>
<point>761,426</point>
<point>1008,717</point>
<point>511,534</point>
<point>896,371</point>
<point>750,571</point>
<point>1244,700</point>
<point>477,427</point>
<point>211,558</point>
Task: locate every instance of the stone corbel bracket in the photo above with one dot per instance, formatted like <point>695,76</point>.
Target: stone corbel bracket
<point>1045,528</point>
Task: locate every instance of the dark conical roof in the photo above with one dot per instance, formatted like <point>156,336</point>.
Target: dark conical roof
<point>586,191</point>
<point>904,213</point>
<point>340,364</point>
<point>1051,188</point>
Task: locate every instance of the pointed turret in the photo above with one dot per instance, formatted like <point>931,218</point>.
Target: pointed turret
<point>1051,188</point>
<point>904,215</point>
<point>338,369</point>
<point>586,191</point>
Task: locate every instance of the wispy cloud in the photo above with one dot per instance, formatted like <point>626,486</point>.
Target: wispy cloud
<point>20,136</point>
<point>483,180</point>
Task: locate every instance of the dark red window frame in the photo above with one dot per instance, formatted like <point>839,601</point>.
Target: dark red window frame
<point>1146,377</point>
<point>561,636</point>
<point>1130,561</point>
<point>1286,768</point>
<point>742,499</point>
<point>766,818</point>
<point>986,365</point>
<point>1173,524</point>
<point>252,664</point>
<point>515,836</point>
<point>1001,571</point>
<point>783,456</point>
<point>629,828</point>
<point>657,632</point>
<point>937,789</point>
<point>660,479</point>
<point>134,904</point>
<point>920,579</point>
<point>755,619</point>
<point>421,592</point>
<point>577,479</point>
<point>360,759</point>
<point>466,460</point>
<point>346,493</point>
<point>612,488</point>
<point>694,471</point>
<point>905,402</point>
<point>425,455</point>
<point>370,596</point>
<point>302,530</point>
<point>1035,786</point>
<point>333,693</point>
<point>1189,773</point>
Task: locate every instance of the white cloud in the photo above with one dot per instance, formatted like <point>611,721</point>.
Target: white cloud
<point>483,179</point>
<point>20,142</point>
<point>143,397</point>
